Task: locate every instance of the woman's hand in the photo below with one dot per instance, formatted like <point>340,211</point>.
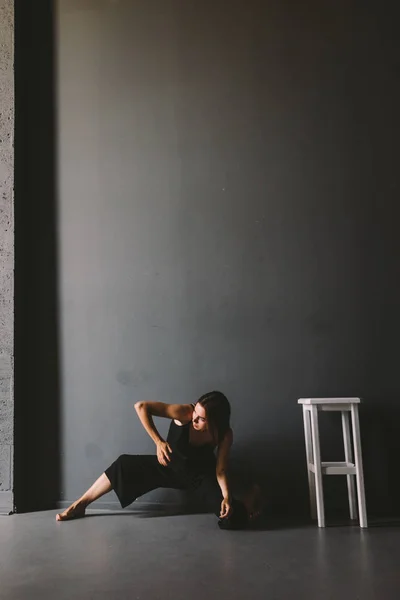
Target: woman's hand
<point>163,452</point>
<point>226,508</point>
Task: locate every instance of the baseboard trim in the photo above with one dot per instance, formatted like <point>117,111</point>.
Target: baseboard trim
<point>6,503</point>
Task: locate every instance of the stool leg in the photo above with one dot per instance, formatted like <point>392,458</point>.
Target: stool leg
<point>309,457</point>
<point>362,509</point>
<point>317,466</point>
<point>348,454</point>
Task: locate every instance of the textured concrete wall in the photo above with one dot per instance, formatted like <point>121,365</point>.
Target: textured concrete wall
<point>6,251</point>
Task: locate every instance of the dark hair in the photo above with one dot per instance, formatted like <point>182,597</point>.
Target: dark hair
<point>218,411</point>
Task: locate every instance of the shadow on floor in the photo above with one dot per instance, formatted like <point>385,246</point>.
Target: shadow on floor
<point>265,523</point>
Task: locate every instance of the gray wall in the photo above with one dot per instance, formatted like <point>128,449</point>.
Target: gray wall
<point>226,216</point>
<point>6,252</point>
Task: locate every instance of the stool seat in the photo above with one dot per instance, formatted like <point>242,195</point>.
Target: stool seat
<point>316,468</point>
<point>328,401</point>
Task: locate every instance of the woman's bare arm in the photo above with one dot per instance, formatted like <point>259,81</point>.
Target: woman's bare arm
<point>222,466</point>
<point>147,410</point>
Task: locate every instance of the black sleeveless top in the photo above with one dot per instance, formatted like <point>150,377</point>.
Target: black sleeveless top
<point>186,456</point>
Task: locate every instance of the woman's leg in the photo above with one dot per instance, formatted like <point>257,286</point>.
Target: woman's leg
<point>209,493</point>
<point>100,487</point>
<point>244,511</point>
<point>253,502</point>
<point>130,476</point>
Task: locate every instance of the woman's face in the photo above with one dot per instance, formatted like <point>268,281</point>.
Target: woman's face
<point>199,418</point>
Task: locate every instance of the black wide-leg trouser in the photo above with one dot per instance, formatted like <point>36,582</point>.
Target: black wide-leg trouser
<point>131,476</point>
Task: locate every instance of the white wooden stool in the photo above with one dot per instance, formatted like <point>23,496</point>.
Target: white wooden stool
<point>316,468</point>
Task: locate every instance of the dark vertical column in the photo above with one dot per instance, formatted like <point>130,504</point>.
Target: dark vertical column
<point>36,468</point>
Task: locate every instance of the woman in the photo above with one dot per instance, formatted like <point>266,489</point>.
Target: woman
<point>185,461</point>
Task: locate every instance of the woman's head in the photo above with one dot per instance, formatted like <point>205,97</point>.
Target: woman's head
<point>212,411</point>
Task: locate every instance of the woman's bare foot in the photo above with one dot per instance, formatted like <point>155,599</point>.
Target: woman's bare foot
<point>75,511</point>
<point>101,486</point>
<point>253,502</point>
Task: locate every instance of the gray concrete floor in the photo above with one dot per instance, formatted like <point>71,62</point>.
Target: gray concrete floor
<point>133,556</point>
